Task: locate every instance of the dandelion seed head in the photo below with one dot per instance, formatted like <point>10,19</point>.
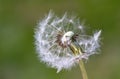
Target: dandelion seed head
<point>53,36</point>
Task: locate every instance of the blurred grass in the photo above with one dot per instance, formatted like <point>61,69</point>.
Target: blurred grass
<point>18,18</point>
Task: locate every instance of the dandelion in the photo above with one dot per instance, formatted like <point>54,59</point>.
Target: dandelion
<point>62,42</point>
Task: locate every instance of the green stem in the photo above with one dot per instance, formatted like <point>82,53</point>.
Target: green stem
<point>77,50</point>
<point>83,70</point>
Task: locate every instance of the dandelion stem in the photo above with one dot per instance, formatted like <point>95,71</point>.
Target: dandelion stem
<point>77,50</point>
<point>83,70</point>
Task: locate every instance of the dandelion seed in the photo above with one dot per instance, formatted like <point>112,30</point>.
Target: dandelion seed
<point>57,39</point>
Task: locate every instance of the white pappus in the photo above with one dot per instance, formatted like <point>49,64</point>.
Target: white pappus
<point>53,35</point>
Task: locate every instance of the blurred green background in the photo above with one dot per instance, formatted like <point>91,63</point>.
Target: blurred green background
<point>18,18</point>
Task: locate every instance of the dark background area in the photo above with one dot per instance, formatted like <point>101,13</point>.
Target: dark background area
<point>18,18</point>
